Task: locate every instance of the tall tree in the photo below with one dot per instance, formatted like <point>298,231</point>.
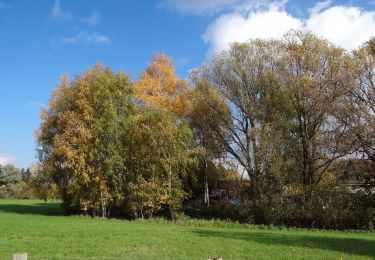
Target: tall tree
<point>359,115</point>
<point>246,78</point>
<point>81,139</point>
<point>315,74</point>
<point>206,105</point>
<point>158,85</point>
<point>159,154</point>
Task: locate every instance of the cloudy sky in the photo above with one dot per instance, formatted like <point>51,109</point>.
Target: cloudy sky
<point>41,40</point>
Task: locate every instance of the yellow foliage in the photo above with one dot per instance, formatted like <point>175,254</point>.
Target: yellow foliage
<point>159,86</point>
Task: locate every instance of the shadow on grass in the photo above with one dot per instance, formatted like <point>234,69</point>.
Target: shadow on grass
<point>354,246</point>
<point>44,209</point>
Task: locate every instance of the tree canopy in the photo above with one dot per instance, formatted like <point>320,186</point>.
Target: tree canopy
<point>266,124</point>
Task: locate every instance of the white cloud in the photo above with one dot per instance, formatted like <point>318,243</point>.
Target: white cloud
<point>93,19</point>
<point>6,158</point>
<point>58,14</point>
<point>84,38</point>
<point>345,26</point>
<point>320,6</point>
<point>238,27</point>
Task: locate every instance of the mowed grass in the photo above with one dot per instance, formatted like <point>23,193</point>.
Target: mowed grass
<point>35,227</point>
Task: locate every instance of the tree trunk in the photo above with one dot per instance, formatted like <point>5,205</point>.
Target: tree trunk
<point>142,216</point>
<point>170,193</point>
<point>103,206</point>
<point>171,212</point>
<point>255,196</point>
<point>206,191</point>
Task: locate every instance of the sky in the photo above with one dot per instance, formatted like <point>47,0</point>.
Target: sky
<point>42,40</point>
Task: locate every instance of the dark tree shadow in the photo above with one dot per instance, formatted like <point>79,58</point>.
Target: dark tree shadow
<point>44,209</point>
<point>354,246</point>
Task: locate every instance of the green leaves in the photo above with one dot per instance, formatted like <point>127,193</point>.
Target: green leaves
<point>108,153</point>
<point>81,137</point>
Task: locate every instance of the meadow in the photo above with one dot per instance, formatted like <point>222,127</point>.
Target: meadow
<point>37,228</point>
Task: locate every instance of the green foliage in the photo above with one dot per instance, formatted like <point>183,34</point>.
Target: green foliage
<point>362,214</point>
<point>158,156</point>
<point>41,184</point>
<point>26,174</point>
<point>10,175</point>
<point>280,112</point>
<point>81,139</point>
<point>11,183</point>
<point>109,154</point>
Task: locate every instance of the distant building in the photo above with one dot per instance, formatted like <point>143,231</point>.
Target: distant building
<point>358,174</point>
<point>229,189</point>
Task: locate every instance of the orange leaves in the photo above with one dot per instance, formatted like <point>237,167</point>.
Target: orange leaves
<point>80,136</point>
<point>159,86</point>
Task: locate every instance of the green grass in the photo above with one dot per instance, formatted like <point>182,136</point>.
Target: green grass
<point>34,227</point>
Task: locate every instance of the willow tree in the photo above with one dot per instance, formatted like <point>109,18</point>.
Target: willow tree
<point>246,78</point>
<point>80,139</point>
<point>360,108</point>
<point>205,106</point>
<point>317,76</point>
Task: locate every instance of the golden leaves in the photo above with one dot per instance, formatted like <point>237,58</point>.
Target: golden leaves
<point>159,86</point>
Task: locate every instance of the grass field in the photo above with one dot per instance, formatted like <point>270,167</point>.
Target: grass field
<point>34,227</point>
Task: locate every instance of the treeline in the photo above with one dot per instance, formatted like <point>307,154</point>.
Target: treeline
<point>23,183</point>
<point>13,182</point>
<point>285,113</point>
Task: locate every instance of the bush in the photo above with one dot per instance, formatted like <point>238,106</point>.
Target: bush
<point>222,210</point>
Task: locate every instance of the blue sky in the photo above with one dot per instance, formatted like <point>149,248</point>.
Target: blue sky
<point>41,40</point>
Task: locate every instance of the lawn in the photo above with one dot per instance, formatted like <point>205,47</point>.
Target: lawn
<point>35,227</point>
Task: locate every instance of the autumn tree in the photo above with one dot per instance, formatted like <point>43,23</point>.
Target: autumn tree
<point>359,116</point>
<point>159,155</point>
<point>315,74</point>
<point>41,184</point>
<point>80,139</point>
<point>159,86</point>
<point>162,136</point>
<point>205,106</point>
<point>246,77</point>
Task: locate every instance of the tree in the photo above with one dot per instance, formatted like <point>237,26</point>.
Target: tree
<point>10,181</point>
<point>80,139</point>
<point>315,74</point>
<point>10,175</point>
<point>206,105</point>
<point>26,174</point>
<point>359,115</point>
<point>158,156</point>
<point>41,184</point>
<point>159,86</point>
<point>246,77</point>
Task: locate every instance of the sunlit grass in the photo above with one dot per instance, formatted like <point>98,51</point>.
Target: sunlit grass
<point>35,227</point>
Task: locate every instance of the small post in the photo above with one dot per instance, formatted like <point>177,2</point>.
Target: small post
<point>20,256</point>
